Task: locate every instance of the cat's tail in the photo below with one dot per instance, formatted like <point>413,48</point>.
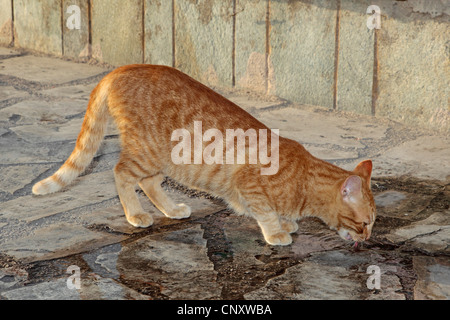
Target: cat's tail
<point>88,142</point>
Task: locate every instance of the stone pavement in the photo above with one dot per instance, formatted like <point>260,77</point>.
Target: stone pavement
<point>214,254</point>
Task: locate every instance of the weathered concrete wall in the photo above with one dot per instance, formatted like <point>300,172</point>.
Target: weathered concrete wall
<point>317,52</point>
<point>204,40</point>
<point>159,32</point>
<point>117,33</point>
<point>414,64</point>
<point>6,23</point>
<point>38,25</point>
<point>355,58</point>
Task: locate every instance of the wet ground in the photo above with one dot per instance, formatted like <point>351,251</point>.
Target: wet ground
<point>214,254</point>
<point>162,262</point>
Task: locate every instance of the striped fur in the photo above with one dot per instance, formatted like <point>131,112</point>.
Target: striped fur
<point>148,103</point>
<point>89,140</point>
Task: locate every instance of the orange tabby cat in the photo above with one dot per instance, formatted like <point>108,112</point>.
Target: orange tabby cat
<point>148,103</point>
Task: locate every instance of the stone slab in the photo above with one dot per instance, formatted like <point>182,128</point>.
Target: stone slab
<point>103,261</point>
<point>424,158</point>
<point>22,152</point>
<point>11,276</point>
<point>51,290</point>
<point>251,104</point>
<point>47,70</point>
<point>302,47</point>
<point>402,205</point>
<point>111,19</point>
<point>37,25</point>
<point>430,235</point>
<point>9,92</point>
<point>174,262</point>
<point>306,243</point>
<point>433,278</point>
<point>159,32</point>
<point>56,241</point>
<point>243,234</point>
<point>329,275</point>
<point>245,238</point>
<point>314,128</point>
<point>91,288</point>
<point>330,154</point>
<point>389,198</point>
<point>86,190</point>
<point>17,150</point>
<point>49,132</point>
<point>17,177</point>
<point>204,40</point>
<point>77,92</point>
<point>33,112</point>
<point>98,288</point>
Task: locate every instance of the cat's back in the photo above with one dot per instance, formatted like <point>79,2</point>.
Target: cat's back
<point>174,97</point>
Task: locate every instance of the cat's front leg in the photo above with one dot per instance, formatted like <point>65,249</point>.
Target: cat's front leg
<point>289,225</point>
<point>272,229</point>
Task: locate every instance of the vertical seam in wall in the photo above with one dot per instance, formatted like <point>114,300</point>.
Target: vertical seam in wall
<point>233,49</point>
<point>267,48</point>
<point>375,72</point>
<point>143,30</point>
<point>89,9</point>
<point>174,61</point>
<point>62,26</point>
<point>13,27</point>
<point>336,55</point>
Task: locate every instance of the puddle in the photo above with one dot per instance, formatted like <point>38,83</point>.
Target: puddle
<point>389,198</point>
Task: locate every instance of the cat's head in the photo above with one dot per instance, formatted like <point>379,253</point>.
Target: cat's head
<point>356,214</point>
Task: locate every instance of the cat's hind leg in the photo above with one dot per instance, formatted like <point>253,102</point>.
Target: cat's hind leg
<point>126,181</point>
<point>152,188</point>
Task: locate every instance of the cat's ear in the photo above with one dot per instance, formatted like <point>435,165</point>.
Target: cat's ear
<point>351,187</point>
<point>364,169</point>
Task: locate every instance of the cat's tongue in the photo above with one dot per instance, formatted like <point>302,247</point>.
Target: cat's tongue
<point>355,246</point>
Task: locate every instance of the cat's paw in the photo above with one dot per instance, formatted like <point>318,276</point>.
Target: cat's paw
<point>141,220</point>
<point>182,211</point>
<point>282,238</point>
<point>289,226</point>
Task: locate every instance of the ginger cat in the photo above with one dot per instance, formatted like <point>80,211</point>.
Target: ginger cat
<point>149,103</point>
